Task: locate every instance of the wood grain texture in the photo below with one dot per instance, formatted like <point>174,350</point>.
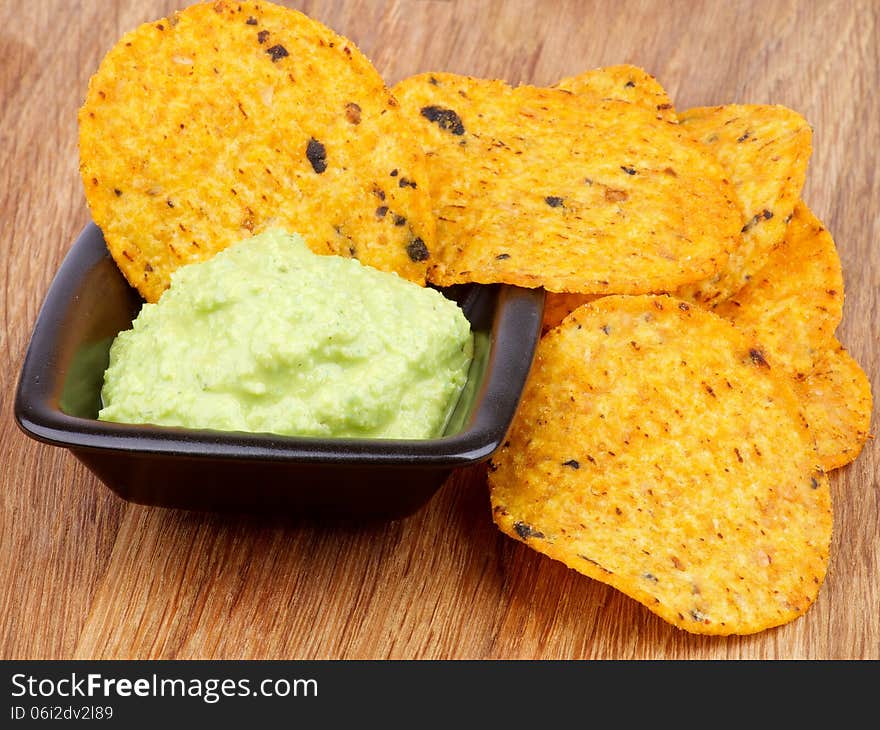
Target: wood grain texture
<point>84,574</point>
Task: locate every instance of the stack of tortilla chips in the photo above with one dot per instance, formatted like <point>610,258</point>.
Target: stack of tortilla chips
<point>688,394</point>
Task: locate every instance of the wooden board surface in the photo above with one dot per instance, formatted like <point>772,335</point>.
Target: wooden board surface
<point>84,574</point>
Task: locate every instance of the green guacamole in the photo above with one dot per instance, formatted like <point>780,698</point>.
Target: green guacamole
<point>267,336</point>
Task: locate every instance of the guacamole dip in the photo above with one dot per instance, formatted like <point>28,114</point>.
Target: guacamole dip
<point>267,336</point>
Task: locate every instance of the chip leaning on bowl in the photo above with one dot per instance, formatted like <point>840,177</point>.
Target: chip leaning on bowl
<point>229,118</point>
<point>656,451</point>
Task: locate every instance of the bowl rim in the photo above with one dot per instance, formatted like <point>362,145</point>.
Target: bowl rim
<point>517,319</point>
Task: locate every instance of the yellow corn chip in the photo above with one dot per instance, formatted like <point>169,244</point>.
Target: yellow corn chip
<point>539,187</point>
<point>655,451</point>
<point>622,83</point>
<point>795,302</point>
<point>837,402</point>
<point>227,118</point>
<point>765,150</point>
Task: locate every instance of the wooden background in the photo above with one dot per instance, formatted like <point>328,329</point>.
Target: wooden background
<point>84,574</point>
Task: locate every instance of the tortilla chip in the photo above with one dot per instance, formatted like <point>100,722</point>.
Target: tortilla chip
<point>794,304</point>
<point>837,402</point>
<point>527,192</point>
<point>765,150</point>
<point>654,451</point>
<point>225,119</point>
<point>622,83</point>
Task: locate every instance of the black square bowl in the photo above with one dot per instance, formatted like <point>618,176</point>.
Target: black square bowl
<point>59,389</point>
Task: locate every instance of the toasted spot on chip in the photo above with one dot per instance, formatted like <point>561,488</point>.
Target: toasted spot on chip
<point>623,82</point>
<point>446,119</point>
<point>765,150</point>
<point>527,172</point>
<point>277,52</point>
<point>353,113</point>
<point>793,305</point>
<point>757,357</point>
<point>837,402</point>
<point>246,115</point>
<point>317,155</point>
<point>525,531</point>
<point>697,491</point>
<point>417,250</point>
